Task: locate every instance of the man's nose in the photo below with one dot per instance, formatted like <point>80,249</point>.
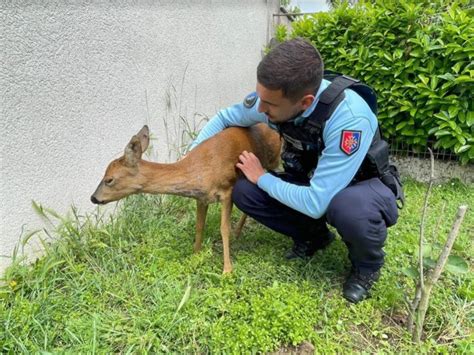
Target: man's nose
<point>261,107</point>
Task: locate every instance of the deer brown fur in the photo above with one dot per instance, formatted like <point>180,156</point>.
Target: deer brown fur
<point>207,173</point>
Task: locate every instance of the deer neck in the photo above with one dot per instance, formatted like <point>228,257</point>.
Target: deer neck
<point>174,179</point>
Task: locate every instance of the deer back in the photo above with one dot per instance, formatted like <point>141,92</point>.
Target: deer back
<point>215,159</point>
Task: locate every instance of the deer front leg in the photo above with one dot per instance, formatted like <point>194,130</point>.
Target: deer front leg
<point>200,222</point>
<point>225,231</point>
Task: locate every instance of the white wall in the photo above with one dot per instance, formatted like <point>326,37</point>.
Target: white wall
<point>79,78</point>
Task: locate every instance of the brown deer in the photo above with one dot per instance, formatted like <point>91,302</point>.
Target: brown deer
<point>207,173</point>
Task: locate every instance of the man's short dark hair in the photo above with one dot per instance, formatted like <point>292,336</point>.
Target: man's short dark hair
<point>294,66</point>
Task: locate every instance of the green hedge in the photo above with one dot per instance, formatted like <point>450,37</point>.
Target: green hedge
<point>418,57</point>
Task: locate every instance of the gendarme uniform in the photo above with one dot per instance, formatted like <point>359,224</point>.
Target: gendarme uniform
<point>322,180</point>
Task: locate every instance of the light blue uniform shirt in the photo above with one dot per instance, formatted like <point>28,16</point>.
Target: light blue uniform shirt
<point>335,168</point>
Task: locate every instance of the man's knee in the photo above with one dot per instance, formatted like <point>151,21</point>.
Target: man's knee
<point>345,210</point>
<point>355,216</point>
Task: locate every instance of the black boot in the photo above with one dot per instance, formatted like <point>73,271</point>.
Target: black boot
<point>357,286</point>
<point>307,248</point>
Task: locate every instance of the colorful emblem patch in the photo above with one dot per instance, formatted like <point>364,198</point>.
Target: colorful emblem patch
<point>350,141</point>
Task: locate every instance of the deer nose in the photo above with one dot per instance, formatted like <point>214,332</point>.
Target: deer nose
<point>94,200</point>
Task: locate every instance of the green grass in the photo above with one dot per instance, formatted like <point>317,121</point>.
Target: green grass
<point>132,284</point>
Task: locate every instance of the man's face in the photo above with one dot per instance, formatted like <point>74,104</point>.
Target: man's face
<point>279,108</point>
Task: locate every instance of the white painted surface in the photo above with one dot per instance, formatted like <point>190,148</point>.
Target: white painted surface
<point>79,78</point>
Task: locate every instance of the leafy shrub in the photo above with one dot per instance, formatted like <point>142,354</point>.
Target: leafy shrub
<point>418,57</point>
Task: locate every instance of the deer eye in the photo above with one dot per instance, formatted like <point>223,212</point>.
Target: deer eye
<point>109,181</point>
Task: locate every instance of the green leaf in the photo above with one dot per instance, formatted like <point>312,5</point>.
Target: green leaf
<point>410,272</point>
<point>434,82</point>
<point>342,51</point>
<point>457,265</point>
<point>423,79</point>
<point>456,67</point>
<point>427,250</point>
<point>443,133</point>
<point>433,130</point>
<point>463,148</point>
<point>470,118</point>
<point>185,297</point>
<point>471,153</point>
<point>401,125</point>
<point>443,115</point>
<point>429,263</point>
<point>464,79</point>
<point>447,76</point>
<point>417,53</point>
<point>398,53</point>
<point>408,131</point>
<point>393,113</point>
<point>453,111</point>
<point>461,140</point>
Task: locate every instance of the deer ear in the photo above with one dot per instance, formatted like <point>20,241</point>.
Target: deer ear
<point>133,152</point>
<point>144,135</point>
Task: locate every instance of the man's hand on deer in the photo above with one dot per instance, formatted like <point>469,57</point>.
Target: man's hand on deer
<point>250,166</point>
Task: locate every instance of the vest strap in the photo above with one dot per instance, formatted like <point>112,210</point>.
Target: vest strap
<point>338,85</point>
<point>330,98</point>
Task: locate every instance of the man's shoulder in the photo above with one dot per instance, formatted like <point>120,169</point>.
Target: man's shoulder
<point>358,103</point>
<point>354,106</point>
<point>353,113</point>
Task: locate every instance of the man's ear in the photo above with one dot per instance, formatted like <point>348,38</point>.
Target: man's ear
<point>133,152</point>
<point>307,101</point>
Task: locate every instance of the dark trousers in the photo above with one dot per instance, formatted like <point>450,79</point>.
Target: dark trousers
<point>360,213</point>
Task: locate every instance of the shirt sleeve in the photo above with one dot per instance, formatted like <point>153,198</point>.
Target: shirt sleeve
<point>236,115</point>
<point>334,172</point>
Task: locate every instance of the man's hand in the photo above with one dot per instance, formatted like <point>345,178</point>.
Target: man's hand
<point>250,166</point>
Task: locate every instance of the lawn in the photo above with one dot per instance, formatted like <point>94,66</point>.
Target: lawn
<point>131,283</point>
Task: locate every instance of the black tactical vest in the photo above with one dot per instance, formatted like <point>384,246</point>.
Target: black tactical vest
<point>303,143</point>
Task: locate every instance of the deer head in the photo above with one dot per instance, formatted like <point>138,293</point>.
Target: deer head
<point>122,177</point>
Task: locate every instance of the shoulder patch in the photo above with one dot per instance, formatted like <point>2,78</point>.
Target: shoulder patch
<point>250,100</point>
<point>350,141</point>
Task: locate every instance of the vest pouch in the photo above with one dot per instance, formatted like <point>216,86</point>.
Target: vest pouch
<point>377,157</point>
<point>378,161</point>
<point>291,162</point>
<point>391,179</point>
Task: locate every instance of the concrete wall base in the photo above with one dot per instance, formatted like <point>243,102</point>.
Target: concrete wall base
<point>419,169</point>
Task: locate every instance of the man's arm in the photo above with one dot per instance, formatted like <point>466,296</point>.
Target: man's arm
<point>335,170</point>
<point>241,115</point>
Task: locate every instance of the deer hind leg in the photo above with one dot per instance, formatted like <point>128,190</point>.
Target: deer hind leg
<point>225,231</point>
<point>240,225</point>
<point>200,223</point>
